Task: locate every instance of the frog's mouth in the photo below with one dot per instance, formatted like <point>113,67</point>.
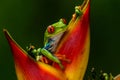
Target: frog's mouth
<point>55,41</point>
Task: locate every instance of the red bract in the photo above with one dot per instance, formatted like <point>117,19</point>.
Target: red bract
<point>27,68</point>
<point>74,45</point>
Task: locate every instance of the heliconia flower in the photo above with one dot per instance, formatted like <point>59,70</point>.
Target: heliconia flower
<point>74,45</point>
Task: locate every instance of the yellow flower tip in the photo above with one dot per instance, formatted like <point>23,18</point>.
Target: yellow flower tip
<point>27,68</point>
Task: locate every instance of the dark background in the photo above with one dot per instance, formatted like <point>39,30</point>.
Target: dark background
<point>27,20</point>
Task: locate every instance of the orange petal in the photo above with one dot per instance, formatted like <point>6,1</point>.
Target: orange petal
<point>75,45</point>
<point>27,68</point>
<point>117,77</point>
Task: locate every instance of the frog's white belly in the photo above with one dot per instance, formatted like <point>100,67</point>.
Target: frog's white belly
<point>56,39</point>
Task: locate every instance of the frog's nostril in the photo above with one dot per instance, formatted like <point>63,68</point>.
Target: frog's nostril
<point>64,21</point>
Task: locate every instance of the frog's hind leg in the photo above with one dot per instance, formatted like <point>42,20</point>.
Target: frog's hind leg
<point>51,57</point>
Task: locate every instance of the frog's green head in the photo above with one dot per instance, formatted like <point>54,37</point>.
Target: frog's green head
<point>56,28</point>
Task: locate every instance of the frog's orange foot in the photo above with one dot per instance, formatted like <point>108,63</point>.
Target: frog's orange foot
<point>44,60</point>
<point>62,58</point>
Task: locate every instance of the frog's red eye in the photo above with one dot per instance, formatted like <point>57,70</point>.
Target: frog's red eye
<point>50,29</point>
<point>64,21</point>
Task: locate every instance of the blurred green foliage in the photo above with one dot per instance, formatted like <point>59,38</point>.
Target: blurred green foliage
<point>27,20</point>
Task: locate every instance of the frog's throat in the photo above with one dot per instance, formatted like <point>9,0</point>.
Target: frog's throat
<point>56,39</point>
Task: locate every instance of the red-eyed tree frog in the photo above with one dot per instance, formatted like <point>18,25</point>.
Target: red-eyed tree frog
<point>52,37</point>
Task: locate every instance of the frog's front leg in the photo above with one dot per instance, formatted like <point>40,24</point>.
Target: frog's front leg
<point>50,56</point>
<point>32,51</point>
<point>78,10</point>
<point>35,53</point>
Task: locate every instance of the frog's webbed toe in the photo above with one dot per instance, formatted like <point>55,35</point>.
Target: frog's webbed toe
<point>62,58</point>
